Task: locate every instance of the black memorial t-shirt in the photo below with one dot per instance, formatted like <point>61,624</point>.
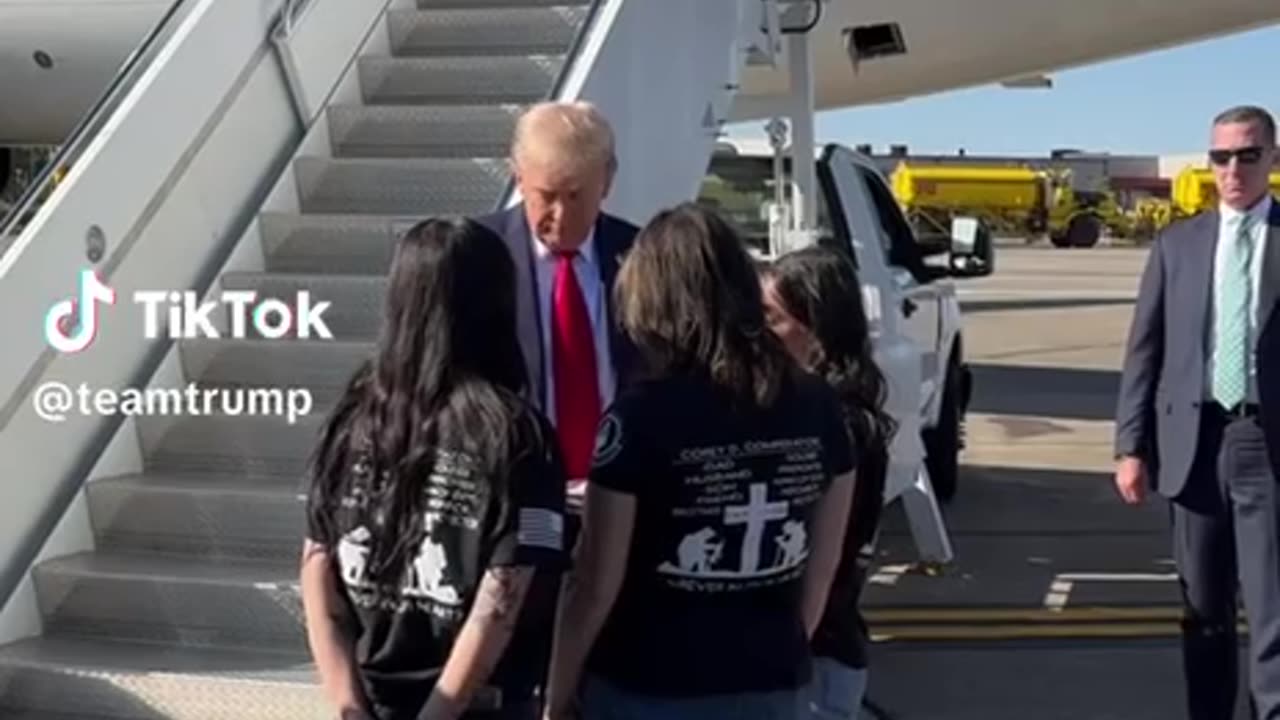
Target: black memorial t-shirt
<point>404,633</point>
<point>725,498</point>
<point>842,634</point>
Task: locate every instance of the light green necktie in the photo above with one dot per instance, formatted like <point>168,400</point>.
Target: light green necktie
<point>1231,367</point>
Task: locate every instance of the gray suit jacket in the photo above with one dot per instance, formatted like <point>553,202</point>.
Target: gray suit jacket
<point>1162,387</point>
<point>1269,386</point>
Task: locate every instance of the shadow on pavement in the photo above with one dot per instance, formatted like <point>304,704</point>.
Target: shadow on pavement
<point>1026,501</point>
<point>1058,680</point>
<point>1014,531</point>
<point>979,306</point>
<point>1057,392</point>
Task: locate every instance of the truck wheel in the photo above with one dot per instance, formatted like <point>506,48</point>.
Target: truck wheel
<point>942,442</point>
<point>1084,231</point>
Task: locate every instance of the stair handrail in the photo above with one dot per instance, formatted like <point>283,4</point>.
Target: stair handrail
<point>561,79</point>
<point>86,129</point>
<point>100,115</point>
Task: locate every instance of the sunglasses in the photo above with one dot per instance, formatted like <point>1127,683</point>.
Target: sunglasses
<point>1246,155</point>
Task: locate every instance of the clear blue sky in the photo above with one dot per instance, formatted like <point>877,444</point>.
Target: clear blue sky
<point>1157,103</point>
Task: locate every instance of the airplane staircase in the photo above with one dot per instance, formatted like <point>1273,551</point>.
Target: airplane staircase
<point>187,607</point>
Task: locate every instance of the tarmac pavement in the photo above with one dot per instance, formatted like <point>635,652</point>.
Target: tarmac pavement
<point>1061,601</point>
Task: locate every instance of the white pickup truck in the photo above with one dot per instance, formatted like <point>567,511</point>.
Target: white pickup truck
<point>910,302</point>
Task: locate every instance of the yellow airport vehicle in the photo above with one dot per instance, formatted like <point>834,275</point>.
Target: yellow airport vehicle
<point>1014,200</point>
<point>1195,191</point>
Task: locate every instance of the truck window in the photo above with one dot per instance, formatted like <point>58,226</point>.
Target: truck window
<point>740,189</point>
<point>896,237</point>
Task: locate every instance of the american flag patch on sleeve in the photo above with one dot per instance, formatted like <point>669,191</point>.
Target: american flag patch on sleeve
<point>540,527</point>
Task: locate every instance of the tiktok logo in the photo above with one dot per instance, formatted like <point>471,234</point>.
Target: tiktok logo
<point>80,314</point>
<point>72,325</point>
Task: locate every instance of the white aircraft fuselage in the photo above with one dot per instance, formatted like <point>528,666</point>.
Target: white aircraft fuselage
<point>954,44</point>
<point>58,56</point>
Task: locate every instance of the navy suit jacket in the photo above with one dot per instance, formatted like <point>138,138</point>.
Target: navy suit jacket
<point>613,238</point>
<point>1163,384</point>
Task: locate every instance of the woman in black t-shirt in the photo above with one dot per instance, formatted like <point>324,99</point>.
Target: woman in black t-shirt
<point>716,505</point>
<point>813,301</point>
<point>436,495</point>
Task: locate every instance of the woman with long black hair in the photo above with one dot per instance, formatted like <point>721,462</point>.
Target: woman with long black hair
<point>716,503</point>
<point>813,300</point>
<point>436,495</point>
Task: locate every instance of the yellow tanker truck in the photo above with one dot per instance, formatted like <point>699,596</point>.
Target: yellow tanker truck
<point>1193,191</point>
<point>1013,200</point>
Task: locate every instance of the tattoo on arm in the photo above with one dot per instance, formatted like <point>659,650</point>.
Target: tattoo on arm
<point>501,594</point>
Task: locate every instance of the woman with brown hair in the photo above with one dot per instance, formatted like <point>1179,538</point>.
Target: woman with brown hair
<point>716,505</point>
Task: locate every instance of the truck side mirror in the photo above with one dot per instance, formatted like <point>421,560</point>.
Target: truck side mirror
<point>973,251</point>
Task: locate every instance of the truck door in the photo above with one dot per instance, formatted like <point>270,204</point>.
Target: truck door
<point>921,297</point>
<point>852,216</point>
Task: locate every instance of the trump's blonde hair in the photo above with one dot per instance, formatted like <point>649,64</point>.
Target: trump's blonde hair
<point>569,136</point>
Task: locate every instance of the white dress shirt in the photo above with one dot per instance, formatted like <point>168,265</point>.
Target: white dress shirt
<point>1228,225</point>
<point>586,267</point>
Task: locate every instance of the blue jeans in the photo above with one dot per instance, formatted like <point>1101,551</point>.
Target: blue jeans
<point>601,700</point>
<point>836,691</point>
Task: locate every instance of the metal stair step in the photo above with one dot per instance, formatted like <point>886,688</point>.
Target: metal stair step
<point>457,80</point>
<point>408,186</point>
<point>59,678</point>
<point>348,244</point>
<point>484,31</point>
<point>203,518</point>
<point>221,444</point>
<point>8,714</point>
<point>463,4</point>
<point>409,131</point>
<point>322,366</point>
<point>356,301</point>
<point>155,598</point>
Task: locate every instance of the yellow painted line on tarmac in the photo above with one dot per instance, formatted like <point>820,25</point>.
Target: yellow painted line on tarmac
<point>1083,631</point>
<point>1024,632</point>
<point>1030,614</point>
<point>958,624</point>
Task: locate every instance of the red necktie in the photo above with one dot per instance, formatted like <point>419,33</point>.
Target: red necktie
<point>573,357</point>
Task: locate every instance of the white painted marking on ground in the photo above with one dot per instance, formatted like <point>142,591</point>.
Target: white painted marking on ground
<point>1118,577</point>
<point>1060,587</point>
<point>889,574</point>
<point>1059,592</point>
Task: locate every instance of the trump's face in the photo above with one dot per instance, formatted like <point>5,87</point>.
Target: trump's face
<point>1242,157</point>
<point>562,201</point>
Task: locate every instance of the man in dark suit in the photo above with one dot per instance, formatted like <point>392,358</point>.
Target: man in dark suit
<point>1190,414</point>
<point>567,254</point>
